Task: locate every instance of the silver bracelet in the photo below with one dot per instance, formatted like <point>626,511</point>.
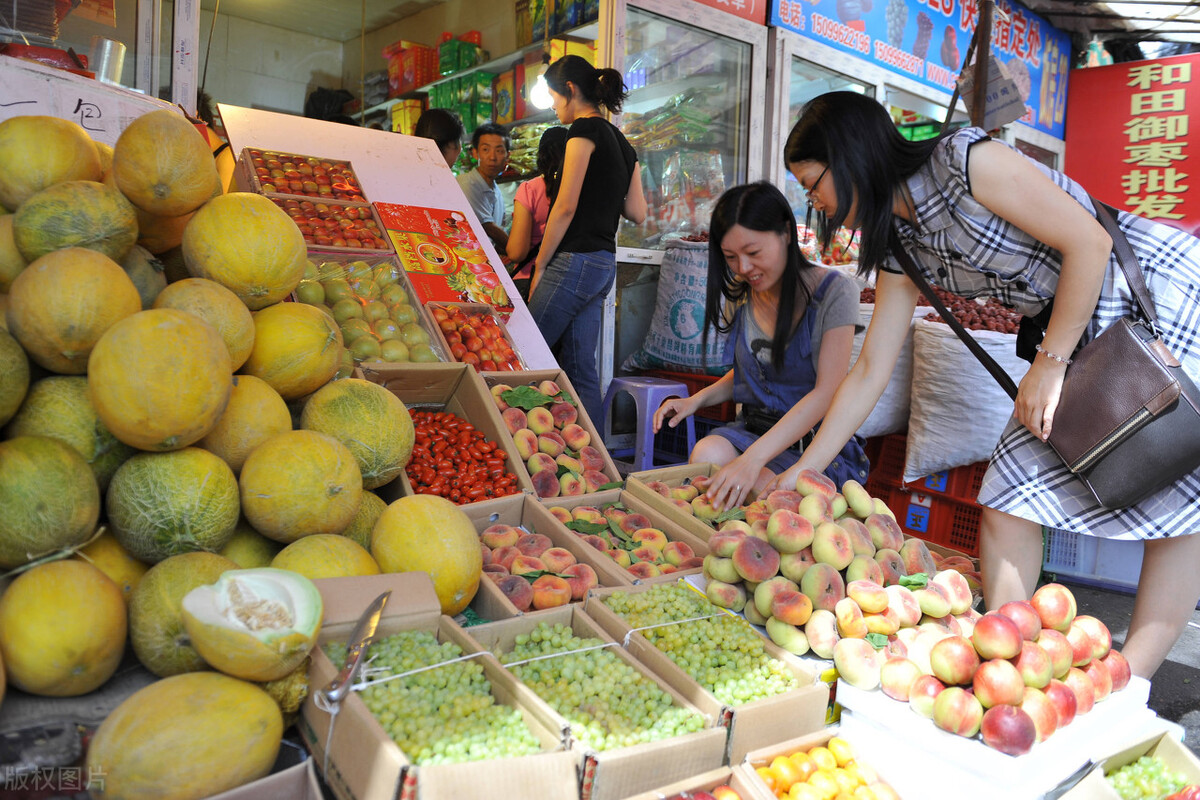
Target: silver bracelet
<point>1052,356</point>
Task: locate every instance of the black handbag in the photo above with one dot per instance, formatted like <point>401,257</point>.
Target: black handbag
<point>1128,418</point>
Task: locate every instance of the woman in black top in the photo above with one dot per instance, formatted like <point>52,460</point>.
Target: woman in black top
<point>577,262</point>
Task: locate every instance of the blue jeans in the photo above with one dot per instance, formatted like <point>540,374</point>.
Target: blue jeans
<point>567,306</point>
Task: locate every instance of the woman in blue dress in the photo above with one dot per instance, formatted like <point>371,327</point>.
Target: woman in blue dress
<point>982,220</point>
<point>790,340</point>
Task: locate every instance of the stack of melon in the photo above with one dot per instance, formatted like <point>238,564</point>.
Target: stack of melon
<point>146,428</point>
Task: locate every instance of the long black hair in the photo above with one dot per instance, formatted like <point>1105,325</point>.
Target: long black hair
<point>603,88</point>
<point>441,126</point>
<point>552,148</point>
<point>757,207</point>
<point>869,161</point>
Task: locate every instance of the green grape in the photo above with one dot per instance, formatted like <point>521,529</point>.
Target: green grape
<point>723,654</point>
<point>1147,778</point>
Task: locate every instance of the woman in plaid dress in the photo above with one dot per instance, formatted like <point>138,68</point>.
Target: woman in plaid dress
<point>982,220</point>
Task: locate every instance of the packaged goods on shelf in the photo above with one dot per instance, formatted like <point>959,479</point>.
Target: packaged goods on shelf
<point>298,176</point>
<point>405,115</point>
<point>504,101</point>
<point>333,225</point>
<point>525,139</point>
<point>461,325</point>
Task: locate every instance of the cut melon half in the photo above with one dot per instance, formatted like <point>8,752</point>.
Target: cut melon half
<point>254,624</point>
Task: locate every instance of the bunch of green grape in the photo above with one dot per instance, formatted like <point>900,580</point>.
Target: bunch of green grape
<point>440,716</point>
<point>608,703</point>
<point>723,654</point>
<point>1148,778</point>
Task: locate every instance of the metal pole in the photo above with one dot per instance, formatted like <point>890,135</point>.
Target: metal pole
<point>982,52</point>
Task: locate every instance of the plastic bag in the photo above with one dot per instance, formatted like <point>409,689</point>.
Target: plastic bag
<point>890,414</point>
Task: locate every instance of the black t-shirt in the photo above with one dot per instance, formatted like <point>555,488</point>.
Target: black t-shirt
<point>605,184</point>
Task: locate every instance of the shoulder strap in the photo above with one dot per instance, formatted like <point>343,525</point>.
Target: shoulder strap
<point>1128,262</point>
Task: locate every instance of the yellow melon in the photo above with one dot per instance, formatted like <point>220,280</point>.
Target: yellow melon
<point>326,555</point>
<point>255,413</point>
<point>249,548</point>
<point>107,555</point>
<point>75,214</point>
<point>300,483</point>
<point>296,349</point>
<point>219,307</point>
<point>49,499</point>
<point>159,234</point>
<point>160,379</point>
<point>184,738</point>
<point>368,419</point>
<point>14,376</point>
<point>249,245</point>
<point>62,629</point>
<point>369,511</point>
<point>146,272</point>
<point>163,165</point>
<point>61,305</point>
<point>105,151</point>
<point>38,152</point>
<point>427,533</point>
<point>11,260</point>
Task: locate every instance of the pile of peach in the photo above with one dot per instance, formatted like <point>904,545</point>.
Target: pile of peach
<point>722,792</point>
<point>530,570</point>
<point>629,539</point>
<point>823,772</point>
<point>558,451</point>
<point>1014,675</point>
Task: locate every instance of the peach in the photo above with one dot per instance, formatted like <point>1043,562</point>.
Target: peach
<point>658,487</point>
<point>542,462</point>
<point>534,544</point>
<point>561,514</point>
<point>966,623</point>
<point>946,624</point>
<point>857,663</point>
<point>885,622</point>
<point>757,512</point>
<point>593,480</point>
<point>548,388</point>
<point>591,458</point>
<point>790,606</point>
<point>997,682</point>
<point>498,390</point>
<point>933,600</point>
<point>884,532</point>
<point>647,554</point>
<point>858,499</point>
<point>1055,606</point>
<point>632,521</point>
<point>665,568</point>
<point>570,463</point>
<point>703,509</point>
<point>788,532</point>
<point>495,572</point>
<point>651,537</point>
<point>500,535</point>
<point>831,545</point>
<point>720,569</point>
<point>891,564</point>
<point>824,586</point>
<point>682,505</point>
<point>897,676</point>
<point>870,596</point>
<point>581,578</point>
<point>557,559</point>
<point>1041,711</point>
<point>524,565</point>
<point>514,419</point>
<point>1009,729</point>
<point>882,508</point>
<point>551,444</point>
<point>821,630</point>
<point>815,508</point>
<point>695,562</point>
<point>1058,648</point>
<point>518,591</point>
<point>783,498</point>
<point>996,636</point>
<point>724,542</point>
<point>1084,688</point>
<point>1062,697</point>
<point>1081,643</point>
<point>526,442</point>
<point>620,556</point>
<point>898,646</point>
<point>956,589</point>
<point>764,593</point>
<point>917,558</point>
<point>860,539</point>
<point>956,710</point>
<point>902,601</point>
<point>865,568</point>
<point>701,482</point>
<point>1034,664</point>
<point>594,541</point>
<point>790,637</point>
<point>809,482</point>
<point>793,565</point>
<point>922,694</point>
<point>751,614</point>
<point>589,514</point>
<point>755,560</point>
<point>486,553</point>
<point>1099,633</point>
<point>687,492</point>
<point>725,595</point>
<point>677,552</point>
<point>576,436</point>
<point>1101,679</point>
<point>539,420</point>
<point>759,530</point>
<point>643,570</point>
<point>550,591</point>
<point>954,660</point>
<point>850,622</point>
<point>504,556</point>
<point>1118,670</point>
<point>564,414</point>
<point>570,485</point>
<point>1025,615</point>
<point>838,506</point>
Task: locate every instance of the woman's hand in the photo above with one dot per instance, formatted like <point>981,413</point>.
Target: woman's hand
<point>731,484</point>
<point>677,409</point>
<point>1038,395</point>
<point>785,480</point>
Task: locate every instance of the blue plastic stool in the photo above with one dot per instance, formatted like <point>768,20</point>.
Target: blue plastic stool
<point>648,394</point>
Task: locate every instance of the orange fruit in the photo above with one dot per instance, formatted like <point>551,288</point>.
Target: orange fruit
<point>824,783</point>
<point>842,750</point>
<point>768,777</point>
<point>804,791</point>
<point>786,773</point>
<point>804,763</point>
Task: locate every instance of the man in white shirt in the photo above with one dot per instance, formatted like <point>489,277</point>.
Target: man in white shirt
<point>490,144</point>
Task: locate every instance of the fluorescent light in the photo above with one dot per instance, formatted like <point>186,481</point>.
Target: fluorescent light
<point>539,95</point>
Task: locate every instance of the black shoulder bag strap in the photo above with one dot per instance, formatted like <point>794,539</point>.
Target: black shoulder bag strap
<point>1125,258</point>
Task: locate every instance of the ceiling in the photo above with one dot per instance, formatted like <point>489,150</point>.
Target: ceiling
<point>340,20</point>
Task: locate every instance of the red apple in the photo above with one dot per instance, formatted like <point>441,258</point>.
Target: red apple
<point>1008,729</point>
<point>996,636</point>
<point>1025,615</point>
<point>1037,705</point>
<point>1118,670</point>
<point>1055,606</point>
<point>1062,697</point>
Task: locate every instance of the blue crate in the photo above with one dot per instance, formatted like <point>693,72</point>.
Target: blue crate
<point>1093,560</point>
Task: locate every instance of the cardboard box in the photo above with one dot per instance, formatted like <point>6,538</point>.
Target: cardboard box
<point>405,115</point>
<point>736,778</point>
<point>534,377</point>
<point>311,215</point>
<point>444,387</point>
<point>250,178</point>
<point>763,757</point>
<point>566,46</point>
<point>610,496</point>
<point>364,764</point>
<point>298,782</point>
<point>482,309</point>
<point>751,725</point>
<point>504,101</point>
<point>672,476</point>
<point>1161,745</point>
<point>619,772</point>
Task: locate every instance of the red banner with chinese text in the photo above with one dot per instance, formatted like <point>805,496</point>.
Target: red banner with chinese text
<point>753,10</point>
<point>1128,140</point>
